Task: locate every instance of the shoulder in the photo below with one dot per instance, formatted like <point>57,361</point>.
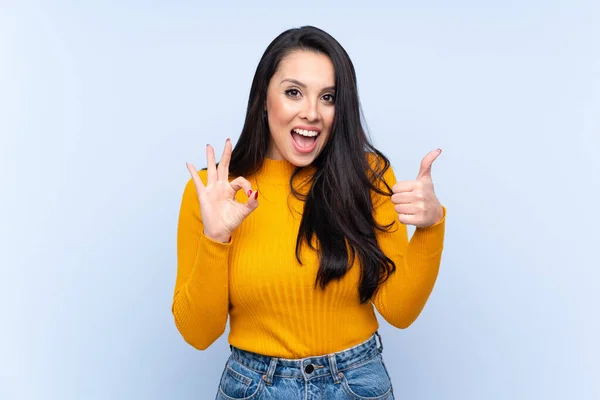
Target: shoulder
<point>380,169</point>
<point>189,190</point>
<point>203,174</point>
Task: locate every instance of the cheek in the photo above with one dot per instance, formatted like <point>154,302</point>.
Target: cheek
<point>281,111</point>
<point>328,121</point>
<point>328,117</point>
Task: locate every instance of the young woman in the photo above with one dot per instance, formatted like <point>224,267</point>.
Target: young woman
<point>299,231</point>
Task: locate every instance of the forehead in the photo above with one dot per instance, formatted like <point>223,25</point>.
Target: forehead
<point>309,67</point>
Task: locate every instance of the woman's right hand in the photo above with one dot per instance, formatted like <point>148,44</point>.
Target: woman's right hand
<point>221,212</point>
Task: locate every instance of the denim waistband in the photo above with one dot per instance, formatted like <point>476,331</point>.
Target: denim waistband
<point>310,367</point>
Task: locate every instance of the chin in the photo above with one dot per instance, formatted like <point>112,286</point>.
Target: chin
<point>301,161</point>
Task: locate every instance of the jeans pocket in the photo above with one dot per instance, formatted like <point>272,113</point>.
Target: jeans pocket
<point>238,382</point>
<point>367,381</point>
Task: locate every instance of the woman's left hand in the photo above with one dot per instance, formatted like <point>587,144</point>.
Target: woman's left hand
<point>415,201</point>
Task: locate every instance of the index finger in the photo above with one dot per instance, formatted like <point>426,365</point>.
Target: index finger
<point>403,186</point>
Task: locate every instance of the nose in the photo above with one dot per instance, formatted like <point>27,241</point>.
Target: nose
<point>310,111</point>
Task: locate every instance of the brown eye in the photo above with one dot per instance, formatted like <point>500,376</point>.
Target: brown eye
<point>330,98</point>
<point>292,92</point>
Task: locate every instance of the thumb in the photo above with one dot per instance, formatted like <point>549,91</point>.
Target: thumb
<point>426,163</point>
<point>252,202</point>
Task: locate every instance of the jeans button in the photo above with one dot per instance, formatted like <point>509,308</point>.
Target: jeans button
<point>309,368</point>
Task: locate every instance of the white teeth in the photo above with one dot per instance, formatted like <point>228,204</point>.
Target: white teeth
<point>306,133</point>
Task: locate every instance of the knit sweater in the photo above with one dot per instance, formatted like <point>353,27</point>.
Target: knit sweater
<point>271,299</point>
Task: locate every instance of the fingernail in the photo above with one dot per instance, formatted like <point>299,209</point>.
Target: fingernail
<point>439,150</point>
<point>249,193</point>
<point>229,140</point>
<point>255,195</point>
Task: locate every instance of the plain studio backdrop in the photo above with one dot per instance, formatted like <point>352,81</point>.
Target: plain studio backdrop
<point>103,103</point>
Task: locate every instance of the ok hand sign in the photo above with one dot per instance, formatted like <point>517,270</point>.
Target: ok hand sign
<point>221,212</point>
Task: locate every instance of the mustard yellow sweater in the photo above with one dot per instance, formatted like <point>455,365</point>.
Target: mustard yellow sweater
<point>273,306</point>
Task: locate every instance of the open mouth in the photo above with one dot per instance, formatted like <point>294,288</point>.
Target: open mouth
<point>304,140</point>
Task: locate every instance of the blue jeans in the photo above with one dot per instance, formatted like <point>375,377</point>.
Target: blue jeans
<point>356,373</point>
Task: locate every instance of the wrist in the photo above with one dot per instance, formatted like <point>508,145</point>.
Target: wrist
<point>440,216</point>
<point>223,238</point>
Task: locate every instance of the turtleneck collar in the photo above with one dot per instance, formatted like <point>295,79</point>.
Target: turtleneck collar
<point>279,171</point>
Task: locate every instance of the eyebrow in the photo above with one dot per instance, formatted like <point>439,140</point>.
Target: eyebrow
<point>302,85</point>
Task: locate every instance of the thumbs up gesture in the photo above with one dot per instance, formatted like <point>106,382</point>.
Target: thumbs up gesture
<point>415,201</point>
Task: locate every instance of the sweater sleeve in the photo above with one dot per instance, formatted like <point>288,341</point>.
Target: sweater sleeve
<point>201,299</point>
<point>402,297</point>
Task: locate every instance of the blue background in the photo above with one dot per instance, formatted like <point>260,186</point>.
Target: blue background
<point>102,103</point>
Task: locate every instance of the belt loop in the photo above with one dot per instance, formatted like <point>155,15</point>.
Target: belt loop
<point>333,368</point>
<point>380,342</point>
<point>268,377</point>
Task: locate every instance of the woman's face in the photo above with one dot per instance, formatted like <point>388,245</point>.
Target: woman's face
<point>300,107</point>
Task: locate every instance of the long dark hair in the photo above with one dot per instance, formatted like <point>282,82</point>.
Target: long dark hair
<point>338,207</point>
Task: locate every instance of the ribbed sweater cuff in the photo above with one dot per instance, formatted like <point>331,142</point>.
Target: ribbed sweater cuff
<point>429,241</point>
<point>211,265</point>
